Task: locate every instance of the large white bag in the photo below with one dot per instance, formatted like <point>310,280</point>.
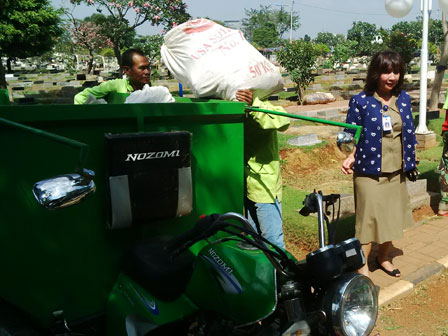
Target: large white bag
<point>215,61</point>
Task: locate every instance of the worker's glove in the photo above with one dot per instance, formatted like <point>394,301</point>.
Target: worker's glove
<point>412,175</point>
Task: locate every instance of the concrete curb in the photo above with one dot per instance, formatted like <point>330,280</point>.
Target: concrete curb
<point>405,285</point>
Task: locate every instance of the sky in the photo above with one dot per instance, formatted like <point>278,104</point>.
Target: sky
<point>334,16</point>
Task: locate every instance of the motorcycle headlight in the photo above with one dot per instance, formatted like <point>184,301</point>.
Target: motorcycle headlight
<point>351,305</point>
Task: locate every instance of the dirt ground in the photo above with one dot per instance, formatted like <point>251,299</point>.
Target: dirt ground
<point>423,313</point>
<point>316,168</point>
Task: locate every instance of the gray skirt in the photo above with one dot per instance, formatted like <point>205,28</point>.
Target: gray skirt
<point>382,207</point>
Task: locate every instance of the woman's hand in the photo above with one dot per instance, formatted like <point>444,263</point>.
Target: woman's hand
<point>244,96</point>
<point>348,164</point>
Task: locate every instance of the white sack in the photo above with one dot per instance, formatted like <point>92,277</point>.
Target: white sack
<point>215,61</point>
<point>91,99</point>
<point>150,94</point>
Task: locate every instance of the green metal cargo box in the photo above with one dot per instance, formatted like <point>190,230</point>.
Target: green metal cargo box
<point>67,259</point>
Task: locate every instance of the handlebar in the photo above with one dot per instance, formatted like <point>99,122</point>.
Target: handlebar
<point>314,203</point>
<point>207,226</point>
<point>203,228</point>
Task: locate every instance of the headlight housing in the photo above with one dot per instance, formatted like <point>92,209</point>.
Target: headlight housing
<point>351,305</point>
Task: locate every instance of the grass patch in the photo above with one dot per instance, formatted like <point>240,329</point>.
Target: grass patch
<point>286,95</point>
<point>301,231</point>
<point>430,158</point>
<point>428,171</point>
<point>283,140</point>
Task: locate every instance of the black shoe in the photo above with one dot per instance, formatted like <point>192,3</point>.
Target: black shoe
<point>395,273</point>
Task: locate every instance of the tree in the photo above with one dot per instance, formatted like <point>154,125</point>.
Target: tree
<point>27,28</point>
<point>435,31</point>
<point>343,52</point>
<point>256,19</point>
<point>322,49</point>
<point>364,33</point>
<point>299,59</point>
<point>411,28</point>
<point>266,36</point>
<point>167,13</point>
<point>404,44</point>
<point>151,45</point>
<point>440,69</point>
<point>307,38</point>
<point>88,35</point>
<point>330,39</point>
<point>107,29</point>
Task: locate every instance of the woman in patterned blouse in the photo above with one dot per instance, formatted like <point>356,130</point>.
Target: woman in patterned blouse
<point>380,160</point>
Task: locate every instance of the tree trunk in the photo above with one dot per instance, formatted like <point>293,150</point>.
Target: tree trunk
<point>299,94</point>
<point>117,54</point>
<point>440,69</point>
<point>8,64</point>
<point>90,64</point>
<point>2,75</point>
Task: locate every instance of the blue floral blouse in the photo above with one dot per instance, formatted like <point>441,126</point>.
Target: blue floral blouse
<point>366,111</point>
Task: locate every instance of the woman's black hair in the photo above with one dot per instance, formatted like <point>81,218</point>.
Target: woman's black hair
<point>384,62</point>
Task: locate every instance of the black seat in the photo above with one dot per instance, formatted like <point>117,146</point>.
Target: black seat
<point>164,276</point>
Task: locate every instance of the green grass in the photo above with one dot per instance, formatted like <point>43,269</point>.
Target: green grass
<point>282,140</point>
<point>430,158</point>
<point>286,95</point>
<point>299,229</point>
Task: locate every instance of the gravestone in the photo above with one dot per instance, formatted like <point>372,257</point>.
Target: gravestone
<point>67,91</point>
<point>89,83</point>
<point>304,140</point>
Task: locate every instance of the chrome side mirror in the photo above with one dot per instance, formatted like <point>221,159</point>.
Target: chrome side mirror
<point>64,190</point>
<point>345,142</point>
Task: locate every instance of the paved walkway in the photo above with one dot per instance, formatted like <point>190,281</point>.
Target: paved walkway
<point>421,253</point>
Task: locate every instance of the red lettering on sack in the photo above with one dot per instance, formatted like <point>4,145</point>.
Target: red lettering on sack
<point>198,26</point>
<point>260,68</point>
<point>252,71</point>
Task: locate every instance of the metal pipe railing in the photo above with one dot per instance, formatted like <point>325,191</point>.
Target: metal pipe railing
<point>322,121</point>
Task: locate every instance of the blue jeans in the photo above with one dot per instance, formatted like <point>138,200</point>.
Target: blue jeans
<point>266,218</point>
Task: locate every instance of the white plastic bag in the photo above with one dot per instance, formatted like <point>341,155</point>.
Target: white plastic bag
<point>91,99</point>
<point>215,61</point>
<point>150,94</point>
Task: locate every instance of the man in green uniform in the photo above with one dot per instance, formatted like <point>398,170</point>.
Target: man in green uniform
<point>138,73</point>
<point>262,168</point>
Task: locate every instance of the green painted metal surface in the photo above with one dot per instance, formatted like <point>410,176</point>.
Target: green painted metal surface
<point>241,284</point>
<point>128,298</point>
<point>4,97</point>
<point>66,259</point>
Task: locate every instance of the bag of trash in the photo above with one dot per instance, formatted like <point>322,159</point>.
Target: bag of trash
<point>150,94</point>
<point>216,61</point>
<point>91,99</point>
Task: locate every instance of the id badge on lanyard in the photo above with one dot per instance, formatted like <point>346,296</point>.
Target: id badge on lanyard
<point>387,120</point>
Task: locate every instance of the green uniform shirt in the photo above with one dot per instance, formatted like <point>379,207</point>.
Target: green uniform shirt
<point>262,169</point>
<point>105,90</point>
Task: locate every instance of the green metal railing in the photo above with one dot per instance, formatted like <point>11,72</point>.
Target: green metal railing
<point>322,121</point>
